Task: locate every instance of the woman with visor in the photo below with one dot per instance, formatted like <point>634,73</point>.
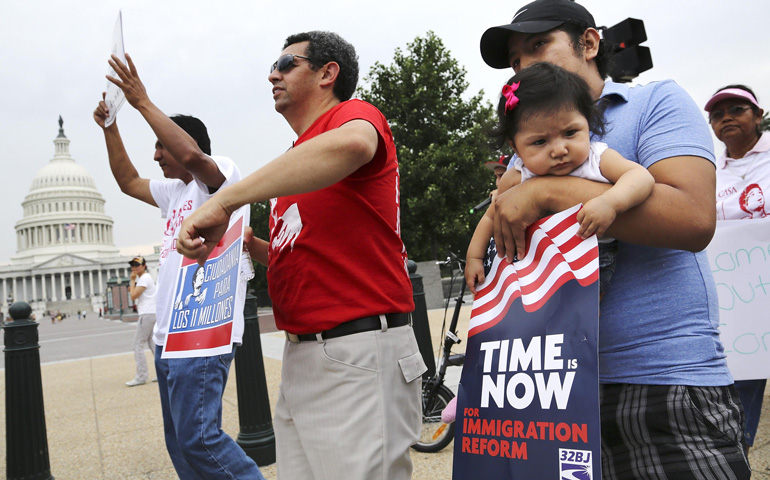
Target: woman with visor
<point>743,175</point>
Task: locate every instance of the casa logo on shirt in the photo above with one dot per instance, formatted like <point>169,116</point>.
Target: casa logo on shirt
<point>752,201</point>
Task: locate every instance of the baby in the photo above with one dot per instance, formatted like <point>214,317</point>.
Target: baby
<point>546,114</point>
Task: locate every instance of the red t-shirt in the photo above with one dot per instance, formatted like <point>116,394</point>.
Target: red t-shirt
<point>336,254</point>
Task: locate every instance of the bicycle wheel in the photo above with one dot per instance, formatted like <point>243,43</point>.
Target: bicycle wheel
<point>435,434</point>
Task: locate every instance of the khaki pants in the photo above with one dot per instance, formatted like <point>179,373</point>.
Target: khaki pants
<point>350,407</point>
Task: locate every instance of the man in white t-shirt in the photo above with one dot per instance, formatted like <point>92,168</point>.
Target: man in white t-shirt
<point>195,442</point>
<point>141,289</point>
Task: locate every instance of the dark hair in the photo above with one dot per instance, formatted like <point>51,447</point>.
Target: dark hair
<point>754,108</point>
<point>575,30</point>
<point>325,47</point>
<point>545,88</point>
<point>196,129</point>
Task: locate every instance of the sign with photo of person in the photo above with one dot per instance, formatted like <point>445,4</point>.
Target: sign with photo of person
<point>528,399</point>
<point>204,299</point>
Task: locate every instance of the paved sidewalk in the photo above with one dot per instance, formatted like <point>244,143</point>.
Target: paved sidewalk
<point>100,429</point>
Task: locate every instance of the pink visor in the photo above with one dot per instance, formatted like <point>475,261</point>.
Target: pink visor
<point>730,93</point>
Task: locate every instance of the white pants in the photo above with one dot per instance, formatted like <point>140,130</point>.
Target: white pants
<point>349,407</point>
<point>142,340</point>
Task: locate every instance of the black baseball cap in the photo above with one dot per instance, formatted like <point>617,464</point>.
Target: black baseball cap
<point>536,17</point>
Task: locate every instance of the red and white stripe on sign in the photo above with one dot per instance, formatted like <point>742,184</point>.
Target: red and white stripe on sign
<point>555,255</point>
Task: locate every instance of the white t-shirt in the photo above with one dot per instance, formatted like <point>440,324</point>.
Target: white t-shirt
<point>145,304</point>
<point>742,183</point>
<point>177,200</point>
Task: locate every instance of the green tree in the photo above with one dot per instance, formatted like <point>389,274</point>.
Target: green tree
<point>764,125</point>
<point>441,144</point>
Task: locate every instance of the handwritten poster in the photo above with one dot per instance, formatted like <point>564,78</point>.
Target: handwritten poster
<point>114,97</point>
<point>205,299</point>
<point>528,399</point>
<point>739,257</point>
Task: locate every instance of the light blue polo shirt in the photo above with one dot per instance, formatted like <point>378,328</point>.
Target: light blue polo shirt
<point>659,317</point>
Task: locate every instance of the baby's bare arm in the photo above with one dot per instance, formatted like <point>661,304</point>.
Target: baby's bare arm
<point>632,185</point>
<point>477,250</point>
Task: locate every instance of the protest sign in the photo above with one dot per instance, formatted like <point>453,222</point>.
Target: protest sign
<point>739,258</point>
<point>205,299</point>
<point>528,400</point>
<point>114,97</point>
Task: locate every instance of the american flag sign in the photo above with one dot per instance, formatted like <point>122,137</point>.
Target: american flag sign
<point>555,255</point>
<point>528,399</point>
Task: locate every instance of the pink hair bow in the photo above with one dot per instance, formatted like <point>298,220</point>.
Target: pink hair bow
<point>511,100</point>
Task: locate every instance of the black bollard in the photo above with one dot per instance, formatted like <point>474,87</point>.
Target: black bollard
<point>420,323</point>
<point>26,444</point>
<point>256,437</point>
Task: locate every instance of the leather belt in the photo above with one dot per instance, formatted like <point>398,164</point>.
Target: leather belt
<point>366,324</point>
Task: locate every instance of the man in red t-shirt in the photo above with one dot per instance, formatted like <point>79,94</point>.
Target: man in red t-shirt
<point>349,404</point>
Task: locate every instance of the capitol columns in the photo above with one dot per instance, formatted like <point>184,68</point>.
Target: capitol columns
<point>53,287</point>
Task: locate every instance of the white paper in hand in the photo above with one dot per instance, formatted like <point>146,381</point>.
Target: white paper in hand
<point>115,97</point>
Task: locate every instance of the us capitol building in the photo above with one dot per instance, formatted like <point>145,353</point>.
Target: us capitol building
<point>65,252</point>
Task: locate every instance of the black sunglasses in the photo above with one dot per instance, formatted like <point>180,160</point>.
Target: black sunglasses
<point>286,62</point>
<point>734,111</point>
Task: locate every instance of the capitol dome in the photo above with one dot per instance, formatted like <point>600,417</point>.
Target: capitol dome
<point>63,212</point>
<point>62,174</point>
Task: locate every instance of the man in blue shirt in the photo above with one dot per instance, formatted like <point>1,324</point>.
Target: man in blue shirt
<point>668,407</point>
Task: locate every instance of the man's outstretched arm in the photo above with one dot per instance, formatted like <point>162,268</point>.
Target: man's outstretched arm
<point>318,163</point>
